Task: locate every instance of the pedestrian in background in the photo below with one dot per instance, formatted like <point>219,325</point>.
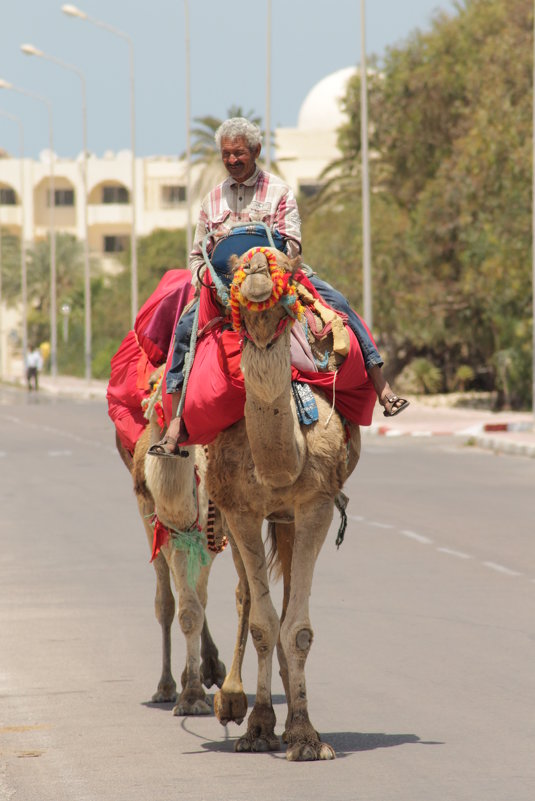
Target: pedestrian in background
<point>34,363</point>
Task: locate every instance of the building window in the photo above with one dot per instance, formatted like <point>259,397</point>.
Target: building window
<point>62,197</point>
<point>173,195</point>
<point>115,244</point>
<point>115,194</point>
<point>7,197</point>
<point>309,190</point>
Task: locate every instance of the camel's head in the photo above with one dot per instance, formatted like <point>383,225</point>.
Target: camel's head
<point>262,297</point>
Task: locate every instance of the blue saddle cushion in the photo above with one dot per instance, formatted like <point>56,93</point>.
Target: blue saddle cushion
<point>240,240</point>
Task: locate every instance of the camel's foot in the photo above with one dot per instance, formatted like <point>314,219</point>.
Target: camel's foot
<point>213,671</point>
<point>230,706</point>
<point>192,702</point>
<point>164,694</point>
<point>304,744</point>
<point>166,691</point>
<point>260,731</point>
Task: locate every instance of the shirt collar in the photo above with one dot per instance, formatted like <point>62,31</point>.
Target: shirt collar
<point>249,182</point>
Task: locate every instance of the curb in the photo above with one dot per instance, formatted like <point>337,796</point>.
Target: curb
<point>479,436</point>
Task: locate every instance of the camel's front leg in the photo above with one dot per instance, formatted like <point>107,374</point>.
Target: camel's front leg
<point>312,524</point>
<point>230,704</point>
<point>264,627</point>
<point>212,668</point>
<point>192,699</point>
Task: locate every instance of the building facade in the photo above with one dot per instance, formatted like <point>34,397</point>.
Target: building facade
<point>31,189</point>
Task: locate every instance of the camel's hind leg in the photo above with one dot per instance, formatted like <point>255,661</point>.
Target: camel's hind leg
<point>312,523</point>
<point>164,608</point>
<point>231,702</point>
<point>283,535</point>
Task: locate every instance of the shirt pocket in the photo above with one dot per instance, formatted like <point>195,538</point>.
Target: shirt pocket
<point>260,212</point>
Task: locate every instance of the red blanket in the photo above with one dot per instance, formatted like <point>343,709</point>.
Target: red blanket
<point>215,395</point>
<point>142,351</point>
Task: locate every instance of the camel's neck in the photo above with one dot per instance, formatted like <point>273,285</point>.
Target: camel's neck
<point>175,488</point>
<point>273,430</point>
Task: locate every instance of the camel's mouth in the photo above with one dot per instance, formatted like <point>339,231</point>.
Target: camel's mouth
<point>261,295</point>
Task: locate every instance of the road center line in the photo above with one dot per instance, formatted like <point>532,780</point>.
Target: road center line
<point>418,537</point>
<point>502,569</point>
<point>453,552</point>
<point>379,525</point>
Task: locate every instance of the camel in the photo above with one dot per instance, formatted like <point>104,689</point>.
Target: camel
<point>167,487</point>
<point>266,466</point>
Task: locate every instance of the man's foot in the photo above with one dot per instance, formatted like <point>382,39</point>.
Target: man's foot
<point>393,405</point>
<point>169,445</point>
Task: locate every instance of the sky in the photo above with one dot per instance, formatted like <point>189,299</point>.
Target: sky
<point>228,56</point>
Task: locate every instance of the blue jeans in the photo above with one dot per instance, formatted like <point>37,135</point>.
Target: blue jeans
<point>372,358</point>
<point>175,374</point>
<point>335,299</point>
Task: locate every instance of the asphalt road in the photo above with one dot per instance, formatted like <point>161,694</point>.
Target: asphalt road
<point>421,673</point>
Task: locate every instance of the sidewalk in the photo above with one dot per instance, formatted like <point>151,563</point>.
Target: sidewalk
<point>500,432</point>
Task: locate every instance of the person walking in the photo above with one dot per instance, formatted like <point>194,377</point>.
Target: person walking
<point>34,364</point>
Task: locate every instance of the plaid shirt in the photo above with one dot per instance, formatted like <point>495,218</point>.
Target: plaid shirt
<point>263,197</point>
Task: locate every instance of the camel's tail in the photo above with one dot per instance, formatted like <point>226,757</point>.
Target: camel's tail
<point>280,537</point>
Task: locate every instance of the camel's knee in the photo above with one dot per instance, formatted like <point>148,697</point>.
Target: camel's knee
<point>164,609</point>
<point>297,640</point>
<point>191,618</point>
<point>264,637</point>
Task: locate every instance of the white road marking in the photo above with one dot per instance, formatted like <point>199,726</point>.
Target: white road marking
<point>452,552</point>
<point>418,537</point>
<point>421,538</point>
<point>502,569</point>
<point>379,525</point>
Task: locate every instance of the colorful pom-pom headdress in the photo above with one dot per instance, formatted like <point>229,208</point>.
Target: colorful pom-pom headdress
<point>283,290</point>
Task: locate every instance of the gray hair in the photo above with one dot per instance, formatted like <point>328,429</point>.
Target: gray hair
<point>239,127</point>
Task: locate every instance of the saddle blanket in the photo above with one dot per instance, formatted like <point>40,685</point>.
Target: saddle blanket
<point>215,393</point>
<point>142,351</point>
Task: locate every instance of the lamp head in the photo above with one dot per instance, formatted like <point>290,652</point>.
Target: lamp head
<point>30,50</point>
<point>72,11</point>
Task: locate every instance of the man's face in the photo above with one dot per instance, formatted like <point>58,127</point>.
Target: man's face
<point>238,159</point>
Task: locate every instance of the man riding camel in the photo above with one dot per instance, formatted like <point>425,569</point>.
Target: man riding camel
<point>250,195</point>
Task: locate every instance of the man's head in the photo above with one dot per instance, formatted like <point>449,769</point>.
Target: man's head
<point>240,142</point>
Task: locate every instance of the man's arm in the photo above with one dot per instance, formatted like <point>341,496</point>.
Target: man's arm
<point>288,223</point>
<point>196,259</point>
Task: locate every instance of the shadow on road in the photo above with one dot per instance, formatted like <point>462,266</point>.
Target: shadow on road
<point>344,743</point>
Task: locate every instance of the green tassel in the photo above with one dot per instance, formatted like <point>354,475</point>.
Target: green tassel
<point>192,543</point>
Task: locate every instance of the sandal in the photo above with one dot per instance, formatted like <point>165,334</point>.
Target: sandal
<point>167,447</point>
<point>395,405</point>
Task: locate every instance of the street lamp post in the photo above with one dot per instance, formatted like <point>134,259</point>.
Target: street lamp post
<point>30,50</point>
<point>366,235</point>
<point>23,271</point>
<point>74,11</point>
<point>268,88</point>
<point>189,244</point>
<point>53,292</point>
<point>533,240</point>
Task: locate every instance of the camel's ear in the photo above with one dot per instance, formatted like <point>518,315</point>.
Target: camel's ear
<point>234,262</point>
<point>295,263</point>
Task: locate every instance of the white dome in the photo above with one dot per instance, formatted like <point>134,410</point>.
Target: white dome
<point>321,108</point>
